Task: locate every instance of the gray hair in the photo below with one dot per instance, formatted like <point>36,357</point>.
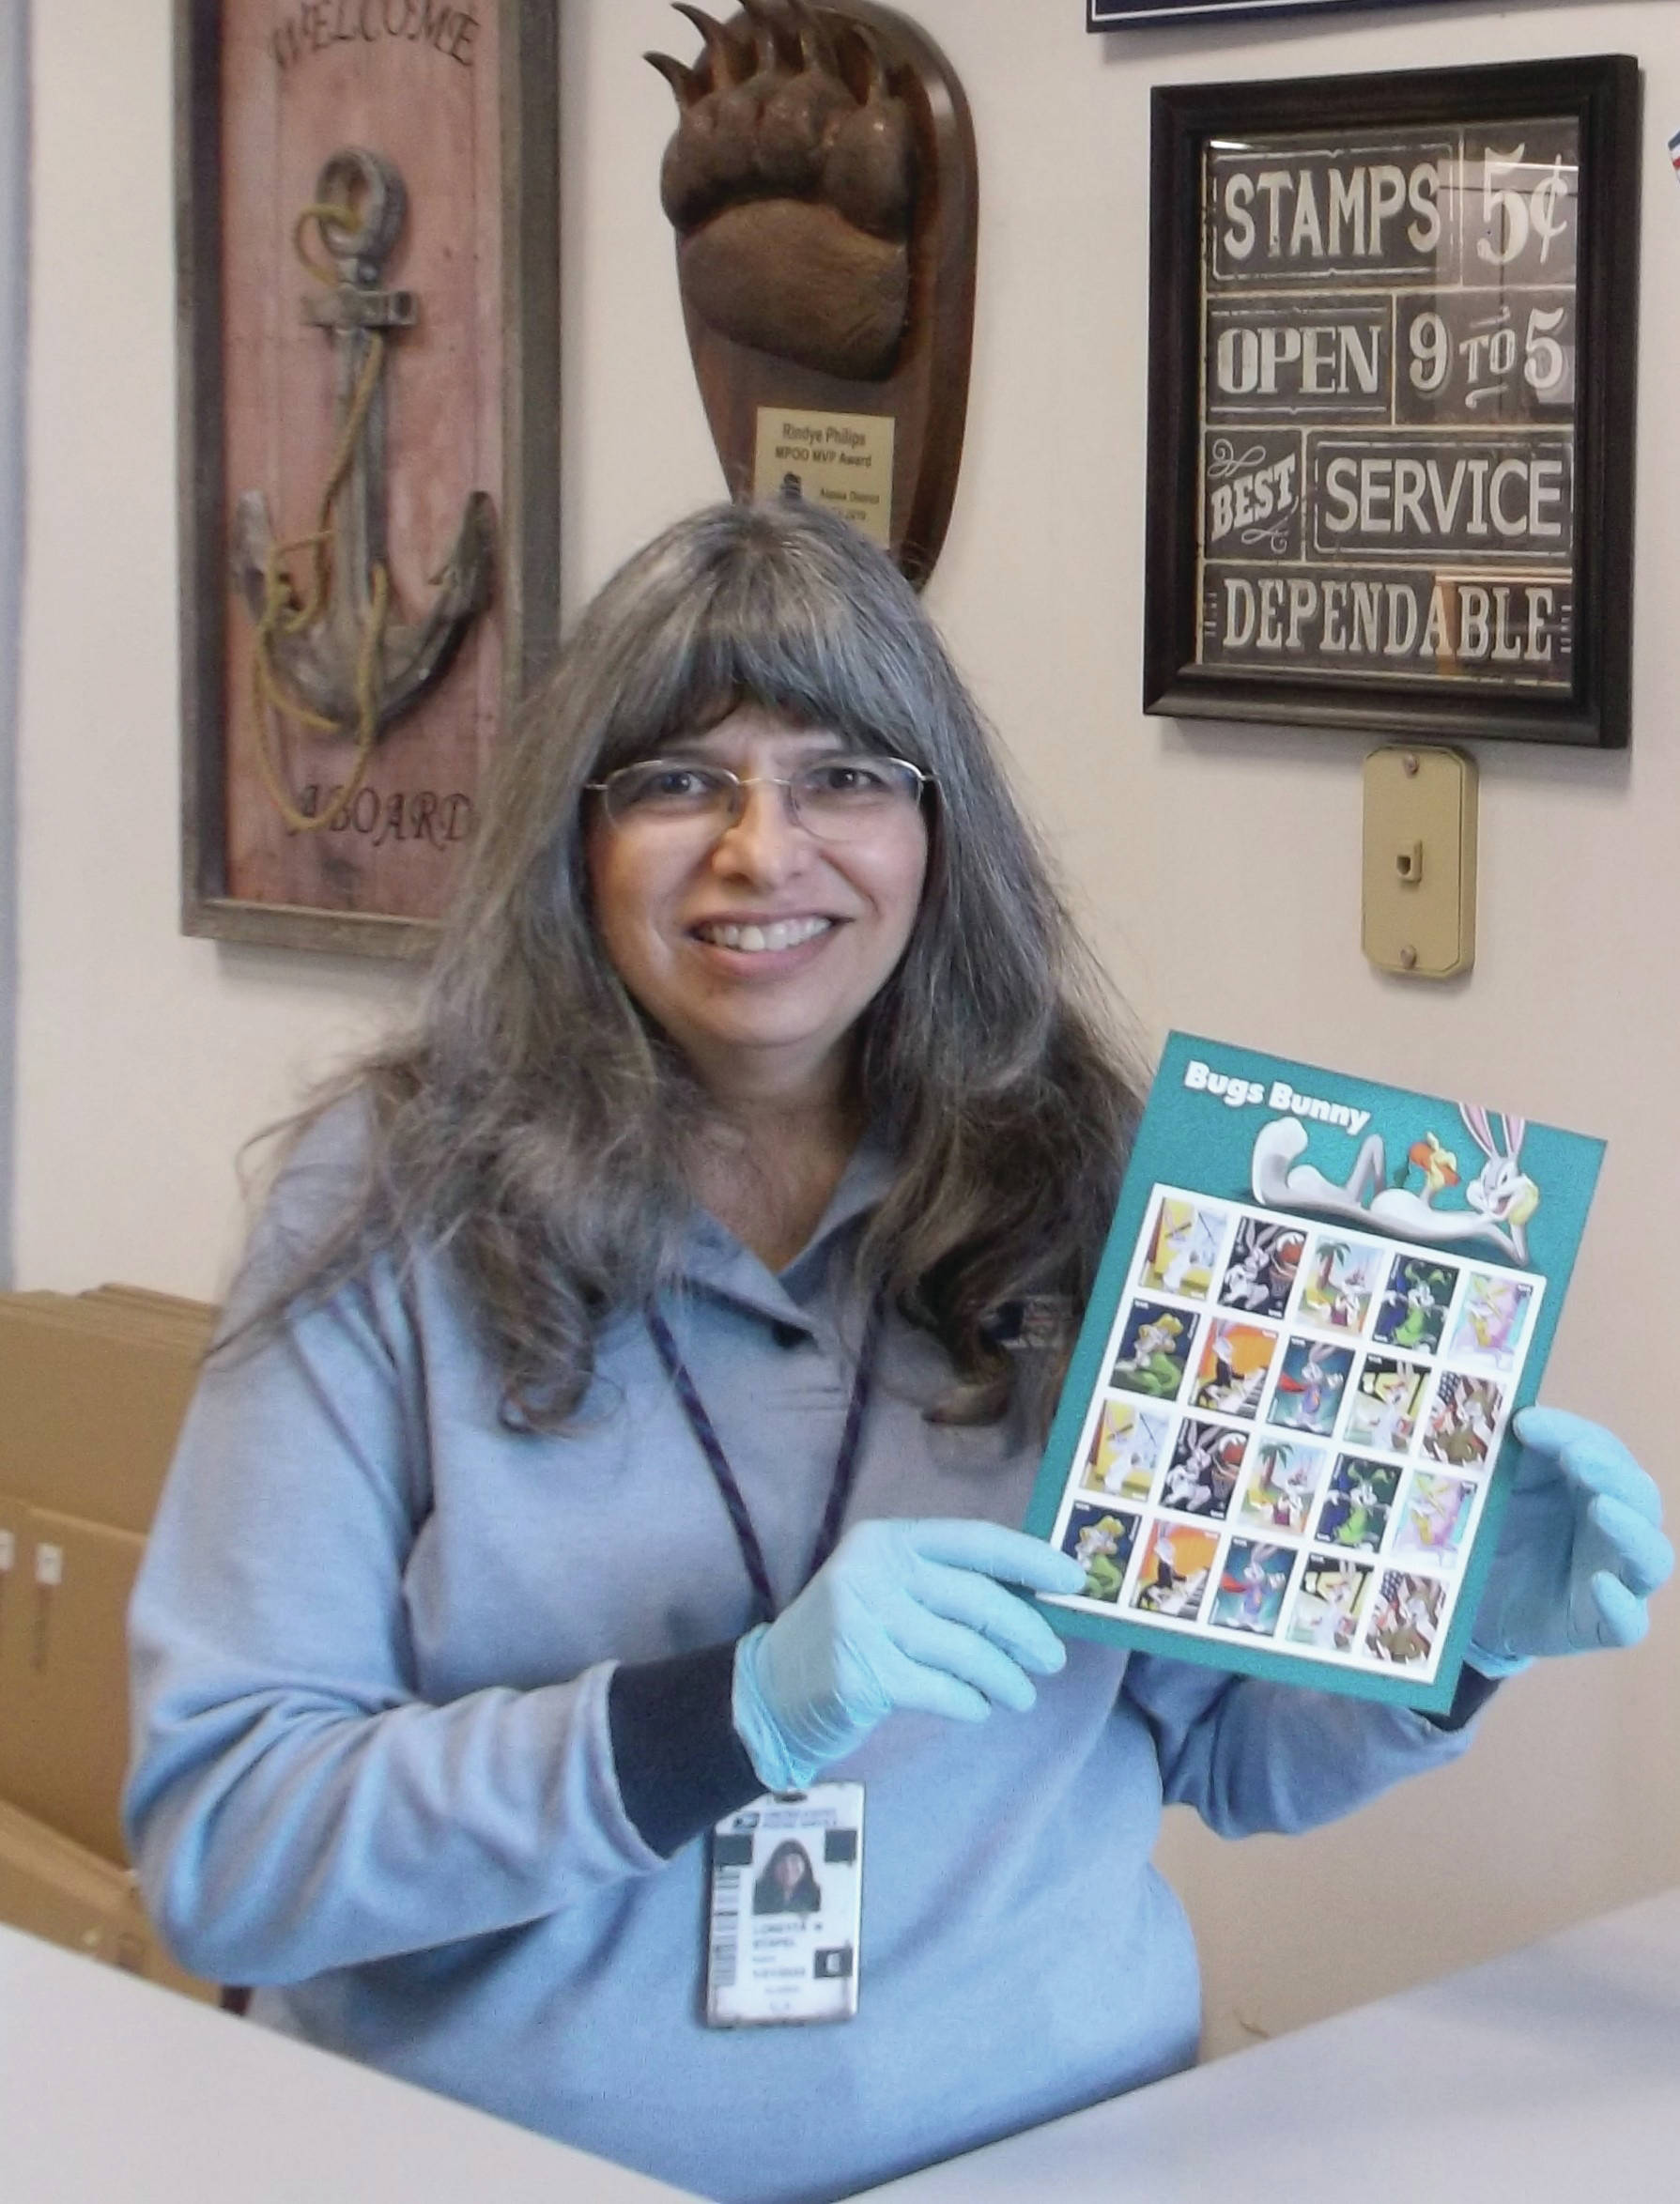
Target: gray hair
<point>537,1123</point>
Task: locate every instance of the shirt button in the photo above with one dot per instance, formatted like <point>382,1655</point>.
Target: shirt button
<point>788,1334</point>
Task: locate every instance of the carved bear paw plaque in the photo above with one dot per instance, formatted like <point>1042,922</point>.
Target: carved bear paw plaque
<point>823,185</point>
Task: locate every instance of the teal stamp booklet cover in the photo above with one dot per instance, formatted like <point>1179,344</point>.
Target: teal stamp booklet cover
<point>1282,1444</point>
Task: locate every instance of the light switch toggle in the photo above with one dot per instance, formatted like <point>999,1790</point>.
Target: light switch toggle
<point>1418,900</point>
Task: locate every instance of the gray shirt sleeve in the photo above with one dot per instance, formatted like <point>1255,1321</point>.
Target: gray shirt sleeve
<point>294,1804</point>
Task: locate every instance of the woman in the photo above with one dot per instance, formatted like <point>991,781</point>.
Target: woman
<point>617,1420</point>
<point>788,1882</point>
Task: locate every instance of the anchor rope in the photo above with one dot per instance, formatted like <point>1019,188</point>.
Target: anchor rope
<point>282,614</point>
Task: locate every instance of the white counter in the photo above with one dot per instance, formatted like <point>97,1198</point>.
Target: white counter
<point>114,2092</point>
<point>1553,2073</point>
<point>1549,2076</point>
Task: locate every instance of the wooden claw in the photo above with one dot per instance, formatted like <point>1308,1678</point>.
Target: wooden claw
<point>719,52</point>
<point>874,65</point>
<point>681,80</point>
<point>766,45</point>
<point>816,48</point>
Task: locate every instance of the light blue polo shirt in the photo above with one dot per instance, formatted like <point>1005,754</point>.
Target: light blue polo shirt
<point>373,1774</point>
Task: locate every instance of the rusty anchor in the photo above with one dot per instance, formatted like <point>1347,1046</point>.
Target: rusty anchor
<point>333,659</point>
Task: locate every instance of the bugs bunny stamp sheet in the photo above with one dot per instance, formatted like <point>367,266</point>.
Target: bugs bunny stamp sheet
<point>1282,1445</point>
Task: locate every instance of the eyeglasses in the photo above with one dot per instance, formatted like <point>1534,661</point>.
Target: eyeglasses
<point>835,798</point>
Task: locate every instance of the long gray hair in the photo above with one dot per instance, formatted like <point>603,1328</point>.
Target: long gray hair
<point>538,1124</point>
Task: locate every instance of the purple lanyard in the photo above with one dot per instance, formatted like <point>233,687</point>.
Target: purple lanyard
<point>845,1462</point>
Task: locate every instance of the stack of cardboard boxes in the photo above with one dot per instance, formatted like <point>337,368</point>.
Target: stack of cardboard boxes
<point>94,1387</point>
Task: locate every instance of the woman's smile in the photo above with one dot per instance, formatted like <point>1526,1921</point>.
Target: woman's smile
<point>757,937</point>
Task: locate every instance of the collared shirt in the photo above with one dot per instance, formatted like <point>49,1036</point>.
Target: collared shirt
<point>374,1771</point>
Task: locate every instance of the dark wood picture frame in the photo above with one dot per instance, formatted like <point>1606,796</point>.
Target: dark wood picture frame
<point>1196,126</point>
<point>527,500</point>
<point>1137,15</point>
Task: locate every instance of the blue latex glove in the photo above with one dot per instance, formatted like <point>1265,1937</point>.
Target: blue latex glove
<point>1580,1549</point>
<point>902,1615</point>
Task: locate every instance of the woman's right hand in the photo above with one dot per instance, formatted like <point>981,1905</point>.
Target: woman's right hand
<point>904,1615</point>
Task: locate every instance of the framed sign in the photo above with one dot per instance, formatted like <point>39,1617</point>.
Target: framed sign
<point>1132,15</point>
<point>1391,400</point>
<point>368,330</point>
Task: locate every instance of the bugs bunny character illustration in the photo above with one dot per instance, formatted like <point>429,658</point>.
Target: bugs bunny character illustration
<point>1501,1198</point>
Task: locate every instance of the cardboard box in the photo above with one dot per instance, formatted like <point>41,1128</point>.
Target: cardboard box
<point>194,1315</point>
<point>64,1669</point>
<point>117,1311</point>
<point>14,1618</point>
<point>54,1889</point>
<point>95,1388</point>
<point>94,1400</point>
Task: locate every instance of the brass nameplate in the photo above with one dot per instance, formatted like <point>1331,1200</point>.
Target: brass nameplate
<point>841,460</point>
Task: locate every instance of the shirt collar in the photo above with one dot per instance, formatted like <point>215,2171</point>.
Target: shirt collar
<point>716,1262</point>
<point>863,1186</point>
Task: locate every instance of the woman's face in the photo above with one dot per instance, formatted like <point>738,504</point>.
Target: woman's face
<point>833,918</point>
<point>790,1871</point>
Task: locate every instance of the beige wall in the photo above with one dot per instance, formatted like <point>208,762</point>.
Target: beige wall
<point>14,168</point>
<point>1217,865</point>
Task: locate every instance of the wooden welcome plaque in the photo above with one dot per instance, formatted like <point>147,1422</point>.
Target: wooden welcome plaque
<point>367,207</point>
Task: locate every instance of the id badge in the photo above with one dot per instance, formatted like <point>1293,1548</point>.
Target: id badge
<point>787,1898</point>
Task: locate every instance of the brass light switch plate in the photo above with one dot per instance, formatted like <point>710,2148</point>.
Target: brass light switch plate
<point>1418,904</point>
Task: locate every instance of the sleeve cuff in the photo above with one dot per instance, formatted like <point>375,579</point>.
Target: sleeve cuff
<point>1473,1691</point>
<point>679,1762</point>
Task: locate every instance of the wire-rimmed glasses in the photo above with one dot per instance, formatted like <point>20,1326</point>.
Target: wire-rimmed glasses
<point>834,797</point>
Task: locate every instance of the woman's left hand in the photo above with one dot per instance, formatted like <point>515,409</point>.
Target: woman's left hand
<point>1580,1551</point>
